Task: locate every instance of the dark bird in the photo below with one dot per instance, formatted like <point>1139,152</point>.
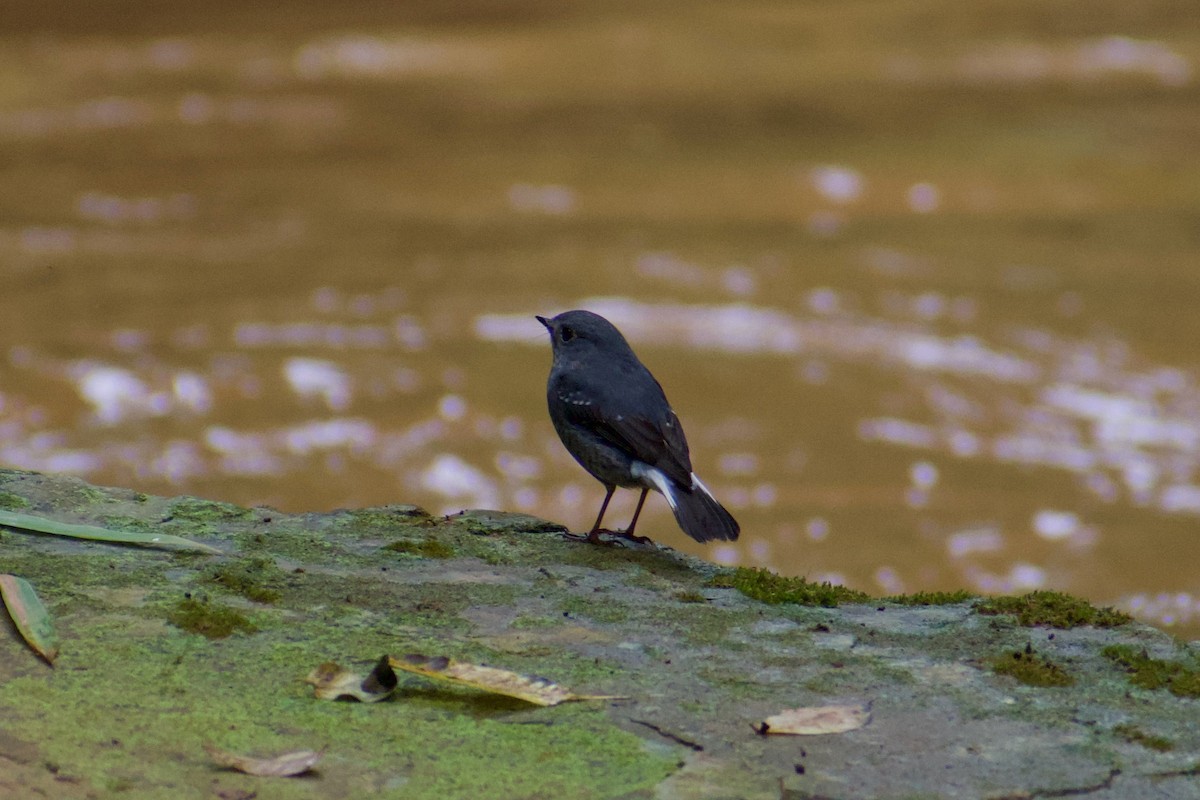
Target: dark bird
<point>613,417</point>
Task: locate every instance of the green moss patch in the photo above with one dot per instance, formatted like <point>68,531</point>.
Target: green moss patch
<point>690,596</point>
<point>1155,673</point>
<point>193,509</point>
<point>382,518</point>
<point>256,579</point>
<point>529,622</point>
<point>425,548</point>
<point>125,522</point>
<point>1031,669</point>
<point>211,620</point>
<point>12,502</point>
<point>595,609</point>
<point>931,598</point>
<point>1053,609</point>
<point>485,523</point>
<point>1135,735</point>
<point>768,587</point>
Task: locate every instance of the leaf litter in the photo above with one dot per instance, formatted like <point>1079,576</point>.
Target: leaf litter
<point>285,765</point>
<point>815,720</point>
<point>332,682</point>
<point>30,617</point>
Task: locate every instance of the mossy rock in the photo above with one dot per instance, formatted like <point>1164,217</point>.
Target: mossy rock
<point>257,578</point>
<point>1054,610</point>
<point>1135,735</point>
<point>1155,673</point>
<point>382,518</point>
<point>1031,669</point>
<point>428,547</point>
<point>485,522</point>
<point>768,587</point>
<point>210,620</point>
<point>13,502</point>
<point>194,509</point>
<point>932,598</point>
<point>693,668</point>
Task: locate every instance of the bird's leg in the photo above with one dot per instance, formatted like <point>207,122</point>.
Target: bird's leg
<point>628,532</point>
<point>593,536</point>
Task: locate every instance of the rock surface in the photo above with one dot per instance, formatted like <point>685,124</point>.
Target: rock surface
<point>138,689</point>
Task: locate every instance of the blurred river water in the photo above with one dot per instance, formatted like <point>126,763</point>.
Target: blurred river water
<point>921,280</point>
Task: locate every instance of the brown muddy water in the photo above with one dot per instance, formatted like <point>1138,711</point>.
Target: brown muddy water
<point>921,279</point>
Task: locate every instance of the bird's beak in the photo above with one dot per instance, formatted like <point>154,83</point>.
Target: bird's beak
<point>549,325</point>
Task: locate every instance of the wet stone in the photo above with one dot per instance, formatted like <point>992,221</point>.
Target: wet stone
<point>963,704</point>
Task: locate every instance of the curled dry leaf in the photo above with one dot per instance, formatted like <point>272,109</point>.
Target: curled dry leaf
<point>286,765</point>
<point>29,615</point>
<point>817,719</point>
<point>530,688</point>
<point>331,682</point>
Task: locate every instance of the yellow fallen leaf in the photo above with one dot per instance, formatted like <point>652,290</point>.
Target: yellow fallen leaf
<point>286,765</point>
<point>331,682</point>
<point>530,688</point>
<point>30,616</point>
<point>817,720</point>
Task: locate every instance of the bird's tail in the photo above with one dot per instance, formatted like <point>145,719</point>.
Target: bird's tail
<point>699,513</point>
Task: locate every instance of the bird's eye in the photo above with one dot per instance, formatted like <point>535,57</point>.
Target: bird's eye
<point>566,333</point>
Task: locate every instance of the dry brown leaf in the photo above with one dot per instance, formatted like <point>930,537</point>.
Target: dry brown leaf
<point>286,765</point>
<point>331,682</point>
<point>530,688</point>
<point>817,720</point>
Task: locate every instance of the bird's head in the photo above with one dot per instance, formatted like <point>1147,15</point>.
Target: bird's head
<point>573,332</point>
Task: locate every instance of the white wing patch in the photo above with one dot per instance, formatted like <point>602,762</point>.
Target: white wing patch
<point>575,399</point>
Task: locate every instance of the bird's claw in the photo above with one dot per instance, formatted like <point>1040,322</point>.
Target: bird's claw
<point>630,537</point>
<point>591,537</point>
<point>594,537</point>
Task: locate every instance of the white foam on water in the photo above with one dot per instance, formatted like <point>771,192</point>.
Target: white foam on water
<point>453,478</point>
<point>551,199</point>
<point>1163,608</point>
<point>923,475</point>
<point>888,580</point>
<point>924,198</point>
<point>312,377</point>
<point>518,467</point>
<point>452,407</point>
<point>971,542</point>
<point>817,529</point>
<point>329,434</point>
<point>838,184</point>
<point>1054,525</point>
<point>897,431</point>
<point>192,392</point>
<point>115,393</point>
<point>726,555</point>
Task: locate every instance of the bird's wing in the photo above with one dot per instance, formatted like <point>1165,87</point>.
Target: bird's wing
<point>655,439</point>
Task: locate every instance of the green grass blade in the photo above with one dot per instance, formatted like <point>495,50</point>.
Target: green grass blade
<point>29,522</point>
<point>29,615</point>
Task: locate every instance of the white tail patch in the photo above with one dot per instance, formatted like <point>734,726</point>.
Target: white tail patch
<point>658,478</point>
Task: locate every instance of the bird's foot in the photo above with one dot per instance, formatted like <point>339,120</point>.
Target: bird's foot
<point>591,537</point>
<point>630,537</point>
<point>594,537</point>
